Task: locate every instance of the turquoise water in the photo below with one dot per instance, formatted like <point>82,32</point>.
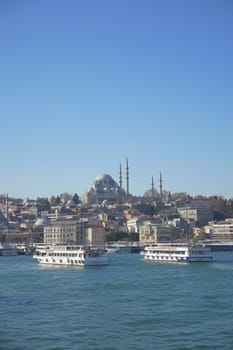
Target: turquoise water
<point>130,304</point>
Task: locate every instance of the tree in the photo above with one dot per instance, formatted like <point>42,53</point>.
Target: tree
<point>134,236</point>
<point>43,203</point>
<point>116,236</point>
<point>65,197</point>
<point>52,200</point>
<point>151,194</point>
<point>122,236</point>
<point>76,199</point>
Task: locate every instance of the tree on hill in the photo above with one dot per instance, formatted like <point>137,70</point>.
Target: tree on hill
<point>122,236</point>
<point>116,236</point>
<point>218,204</point>
<point>76,199</point>
<point>229,208</point>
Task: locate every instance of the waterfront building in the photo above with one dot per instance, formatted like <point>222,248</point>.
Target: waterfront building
<point>221,231</point>
<point>65,231</point>
<point>71,231</point>
<point>152,233</point>
<point>95,235</point>
<point>82,225</point>
<point>61,232</point>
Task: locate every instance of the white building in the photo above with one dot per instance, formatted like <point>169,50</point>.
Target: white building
<point>133,224</point>
<point>221,231</point>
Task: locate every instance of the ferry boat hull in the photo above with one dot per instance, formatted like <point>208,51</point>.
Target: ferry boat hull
<point>70,255</point>
<point>182,253</point>
<point>78,262</point>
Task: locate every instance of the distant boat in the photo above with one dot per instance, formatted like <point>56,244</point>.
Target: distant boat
<point>219,246</point>
<point>111,250</point>
<point>7,250</point>
<point>25,249</point>
<point>71,255</point>
<point>177,252</point>
<point>123,247</point>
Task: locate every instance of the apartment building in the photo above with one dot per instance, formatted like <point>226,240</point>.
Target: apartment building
<point>201,213</point>
<point>151,233</point>
<point>95,235</point>
<point>65,231</point>
<point>221,231</point>
<point>61,232</point>
<point>74,232</point>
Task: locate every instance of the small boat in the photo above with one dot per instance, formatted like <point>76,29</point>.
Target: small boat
<point>177,252</point>
<point>71,255</point>
<point>123,247</point>
<point>25,249</point>
<point>7,250</point>
<point>111,250</point>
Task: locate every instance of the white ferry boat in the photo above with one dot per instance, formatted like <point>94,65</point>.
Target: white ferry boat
<point>177,252</point>
<point>71,255</point>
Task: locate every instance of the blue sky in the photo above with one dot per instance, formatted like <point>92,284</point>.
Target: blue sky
<point>87,83</point>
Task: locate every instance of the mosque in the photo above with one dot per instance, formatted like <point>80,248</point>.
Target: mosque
<point>105,190</point>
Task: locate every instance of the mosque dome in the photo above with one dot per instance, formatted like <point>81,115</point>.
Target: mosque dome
<point>105,179</point>
<point>102,177</point>
<point>104,188</point>
<point>105,183</point>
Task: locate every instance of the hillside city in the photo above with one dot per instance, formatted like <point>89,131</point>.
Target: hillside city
<point>106,212</point>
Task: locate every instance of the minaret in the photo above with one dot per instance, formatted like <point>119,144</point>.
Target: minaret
<point>7,208</point>
<point>161,187</point>
<point>120,177</point>
<point>152,188</point>
<point>127,177</point>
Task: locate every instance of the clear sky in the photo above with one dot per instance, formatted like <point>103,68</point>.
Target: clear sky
<point>86,83</point>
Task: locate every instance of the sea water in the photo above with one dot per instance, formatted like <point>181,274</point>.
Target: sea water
<point>130,304</point>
